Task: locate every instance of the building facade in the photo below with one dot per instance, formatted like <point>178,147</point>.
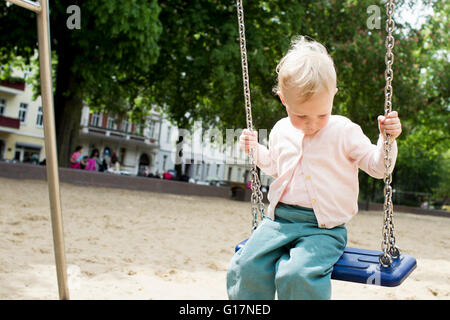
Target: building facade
<point>201,160</point>
<point>21,122</point>
<point>152,147</point>
<point>238,166</point>
<point>136,146</point>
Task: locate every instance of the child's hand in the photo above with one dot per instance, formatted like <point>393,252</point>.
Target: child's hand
<point>391,124</point>
<point>248,139</point>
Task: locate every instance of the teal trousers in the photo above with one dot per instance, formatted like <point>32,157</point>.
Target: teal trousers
<point>290,255</point>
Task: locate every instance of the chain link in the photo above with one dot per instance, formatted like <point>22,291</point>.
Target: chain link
<point>390,251</point>
<point>257,196</point>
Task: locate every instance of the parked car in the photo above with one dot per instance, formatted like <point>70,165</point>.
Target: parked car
<point>203,183</point>
<point>219,183</point>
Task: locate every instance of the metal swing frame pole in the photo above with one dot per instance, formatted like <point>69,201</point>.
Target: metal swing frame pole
<point>43,26</point>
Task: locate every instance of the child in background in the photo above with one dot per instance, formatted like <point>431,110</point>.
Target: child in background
<point>77,160</point>
<point>314,157</point>
<point>93,163</point>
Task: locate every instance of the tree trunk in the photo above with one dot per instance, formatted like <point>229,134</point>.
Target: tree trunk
<point>68,108</point>
<point>68,128</point>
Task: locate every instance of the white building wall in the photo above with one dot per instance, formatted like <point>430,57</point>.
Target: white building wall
<point>204,159</point>
<point>199,155</point>
<point>29,138</point>
<point>128,150</point>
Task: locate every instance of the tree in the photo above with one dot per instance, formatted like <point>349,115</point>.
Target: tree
<point>423,164</point>
<point>185,58</point>
<point>101,63</point>
<point>198,75</point>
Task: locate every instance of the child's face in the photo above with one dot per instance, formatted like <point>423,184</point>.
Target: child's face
<point>312,115</point>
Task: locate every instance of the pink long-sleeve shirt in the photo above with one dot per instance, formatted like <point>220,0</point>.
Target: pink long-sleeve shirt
<point>324,165</point>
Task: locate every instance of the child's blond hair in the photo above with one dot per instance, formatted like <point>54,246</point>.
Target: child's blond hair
<point>307,68</point>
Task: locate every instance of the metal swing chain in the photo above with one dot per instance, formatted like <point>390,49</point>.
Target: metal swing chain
<point>390,251</point>
<point>388,244</point>
<point>257,197</point>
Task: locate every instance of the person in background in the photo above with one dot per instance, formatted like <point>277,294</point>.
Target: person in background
<point>115,163</point>
<point>94,163</point>
<point>77,160</point>
<point>34,159</point>
<point>106,159</point>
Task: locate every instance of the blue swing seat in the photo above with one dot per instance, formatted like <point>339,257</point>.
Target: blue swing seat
<point>363,266</point>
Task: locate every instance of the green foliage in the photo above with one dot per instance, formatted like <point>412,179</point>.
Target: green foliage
<point>121,44</point>
<point>198,74</point>
<point>423,162</point>
<point>7,69</point>
<point>115,46</point>
<point>184,57</point>
<point>103,63</point>
<point>441,191</point>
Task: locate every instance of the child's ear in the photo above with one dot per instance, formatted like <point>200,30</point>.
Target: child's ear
<point>335,91</point>
<point>281,98</point>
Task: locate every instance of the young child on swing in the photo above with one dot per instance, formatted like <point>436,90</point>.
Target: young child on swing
<point>314,157</point>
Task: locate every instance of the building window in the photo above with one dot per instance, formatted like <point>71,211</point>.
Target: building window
<point>217,169</point>
<point>169,131</point>
<point>27,154</point>
<point>151,129</point>
<point>111,123</point>
<point>23,108</point>
<point>2,106</point>
<point>95,120</point>
<point>230,172</point>
<point>39,118</point>
<point>138,129</point>
<point>125,126</point>
<point>164,163</point>
<point>207,170</point>
<point>231,151</point>
<point>197,170</point>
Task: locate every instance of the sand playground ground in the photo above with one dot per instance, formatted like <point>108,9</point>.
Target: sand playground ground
<point>123,244</point>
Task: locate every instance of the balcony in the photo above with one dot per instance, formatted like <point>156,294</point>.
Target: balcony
<point>13,123</point>
<point>13,86</point>
<point>111,134</point>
